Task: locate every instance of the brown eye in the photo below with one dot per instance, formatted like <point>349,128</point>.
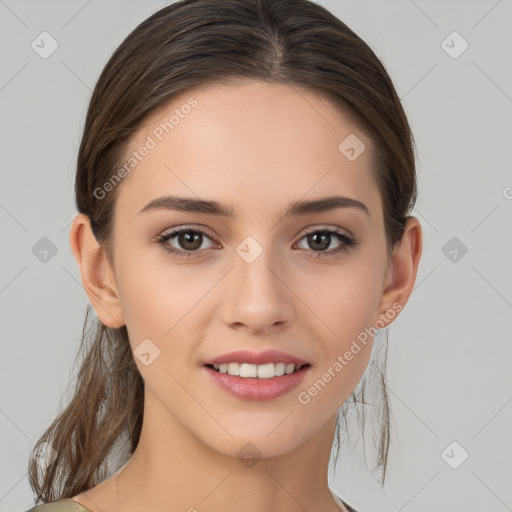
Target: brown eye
<point>321,239</point>
<point>188,241</point>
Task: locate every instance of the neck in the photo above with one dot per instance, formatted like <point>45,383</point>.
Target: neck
<point>173,470</point>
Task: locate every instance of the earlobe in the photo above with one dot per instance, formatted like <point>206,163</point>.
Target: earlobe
<point>402,272</point>
<point>97,276</point>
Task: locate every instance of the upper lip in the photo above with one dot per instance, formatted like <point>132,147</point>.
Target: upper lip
<point>267,356</point>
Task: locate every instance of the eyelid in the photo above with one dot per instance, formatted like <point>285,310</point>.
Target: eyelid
<point>319,227</point>
<point>186,227</point>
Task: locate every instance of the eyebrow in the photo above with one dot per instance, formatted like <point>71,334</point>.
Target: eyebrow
<point>297,208</point>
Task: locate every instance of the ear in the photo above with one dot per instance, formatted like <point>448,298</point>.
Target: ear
<point>401,274</point>
<point>97,274</point>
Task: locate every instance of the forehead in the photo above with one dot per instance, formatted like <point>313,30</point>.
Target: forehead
<point>253,143</point>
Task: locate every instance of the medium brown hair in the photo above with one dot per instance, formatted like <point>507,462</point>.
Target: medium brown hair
<point>187,44</point>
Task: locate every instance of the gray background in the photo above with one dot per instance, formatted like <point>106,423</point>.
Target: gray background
<point>450,351</point>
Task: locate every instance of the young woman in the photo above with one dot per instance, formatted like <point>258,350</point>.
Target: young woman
<point>244,185</point>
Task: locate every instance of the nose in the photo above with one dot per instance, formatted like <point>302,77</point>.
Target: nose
<point>257,297</point>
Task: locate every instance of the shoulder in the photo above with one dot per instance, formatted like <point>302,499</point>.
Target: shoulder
<point>63,505</point>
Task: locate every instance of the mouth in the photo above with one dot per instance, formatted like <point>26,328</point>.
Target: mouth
<point>265,371</point>
<point>257,382</point>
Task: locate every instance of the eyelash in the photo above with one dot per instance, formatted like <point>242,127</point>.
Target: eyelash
<point>347,242</point>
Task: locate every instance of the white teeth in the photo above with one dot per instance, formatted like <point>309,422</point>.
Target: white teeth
<point>262,371</point>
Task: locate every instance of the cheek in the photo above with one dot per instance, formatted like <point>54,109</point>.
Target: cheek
<point>345,306</point>
<point>345,298</point>
<point>160,298</point>
<point>159,304</point>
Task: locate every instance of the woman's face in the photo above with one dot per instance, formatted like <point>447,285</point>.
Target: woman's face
<point>253,280</point>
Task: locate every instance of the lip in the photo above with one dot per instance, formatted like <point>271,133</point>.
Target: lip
<point>253,389</point>
<point>267,356</point>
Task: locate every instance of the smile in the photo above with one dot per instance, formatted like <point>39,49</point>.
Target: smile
<point>275,380</point>
<point>261,371</point>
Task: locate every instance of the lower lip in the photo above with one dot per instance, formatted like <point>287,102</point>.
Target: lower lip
<point>254,389</point>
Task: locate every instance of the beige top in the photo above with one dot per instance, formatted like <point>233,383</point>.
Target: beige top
<point>63,505</point>
<point>70,505</point>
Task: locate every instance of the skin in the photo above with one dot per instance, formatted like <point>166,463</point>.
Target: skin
<point>256,147</point>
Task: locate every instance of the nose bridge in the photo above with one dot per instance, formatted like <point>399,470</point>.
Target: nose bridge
<point>257,294</point>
